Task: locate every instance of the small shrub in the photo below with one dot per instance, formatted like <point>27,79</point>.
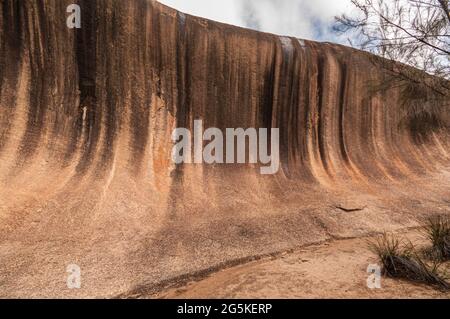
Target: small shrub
<point>437,230</point>
<point>401,260</point>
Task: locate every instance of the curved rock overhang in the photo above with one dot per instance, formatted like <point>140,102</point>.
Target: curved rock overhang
<point>86,117</point>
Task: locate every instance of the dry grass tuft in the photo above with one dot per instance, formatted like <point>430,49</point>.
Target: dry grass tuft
<point>437,230</point>
<point>401,260</point>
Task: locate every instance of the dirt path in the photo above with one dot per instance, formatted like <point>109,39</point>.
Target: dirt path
<point>336,269</point>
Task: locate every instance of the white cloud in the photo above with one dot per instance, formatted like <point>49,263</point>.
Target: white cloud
<point>227,11</point>
<point>305,19</point>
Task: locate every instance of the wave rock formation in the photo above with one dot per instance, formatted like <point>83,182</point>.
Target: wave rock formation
<point>86,176</point>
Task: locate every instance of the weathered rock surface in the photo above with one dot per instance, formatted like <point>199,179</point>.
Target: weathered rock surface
<point>86,118</point>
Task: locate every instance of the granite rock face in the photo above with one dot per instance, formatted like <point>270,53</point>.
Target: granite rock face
<point>86,117</point>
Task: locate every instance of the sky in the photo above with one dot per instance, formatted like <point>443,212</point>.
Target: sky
<point>306,19</point>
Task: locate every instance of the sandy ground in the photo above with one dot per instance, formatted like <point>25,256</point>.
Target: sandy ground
<point>336,269</point>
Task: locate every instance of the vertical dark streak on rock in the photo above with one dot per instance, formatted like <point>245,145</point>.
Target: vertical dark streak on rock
<point>86,44</point>
<point>41,76</point>
<point>215,90</point>
<point>10,36</point>
<point>182,61</point>
<point>285,102</point>
<point>294,111</point>
<point>267,96</point>
<point>223,85</point>
<point>140,101</point>
<point>342,106</point>
<point>86,50</point>
<point>321,114</point>
<point>181,112</point>
<point>10,51</point>
<point>115,103</point>
<point>307,112</point>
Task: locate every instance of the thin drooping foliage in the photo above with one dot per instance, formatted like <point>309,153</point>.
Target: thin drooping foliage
<point>413,32</point>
